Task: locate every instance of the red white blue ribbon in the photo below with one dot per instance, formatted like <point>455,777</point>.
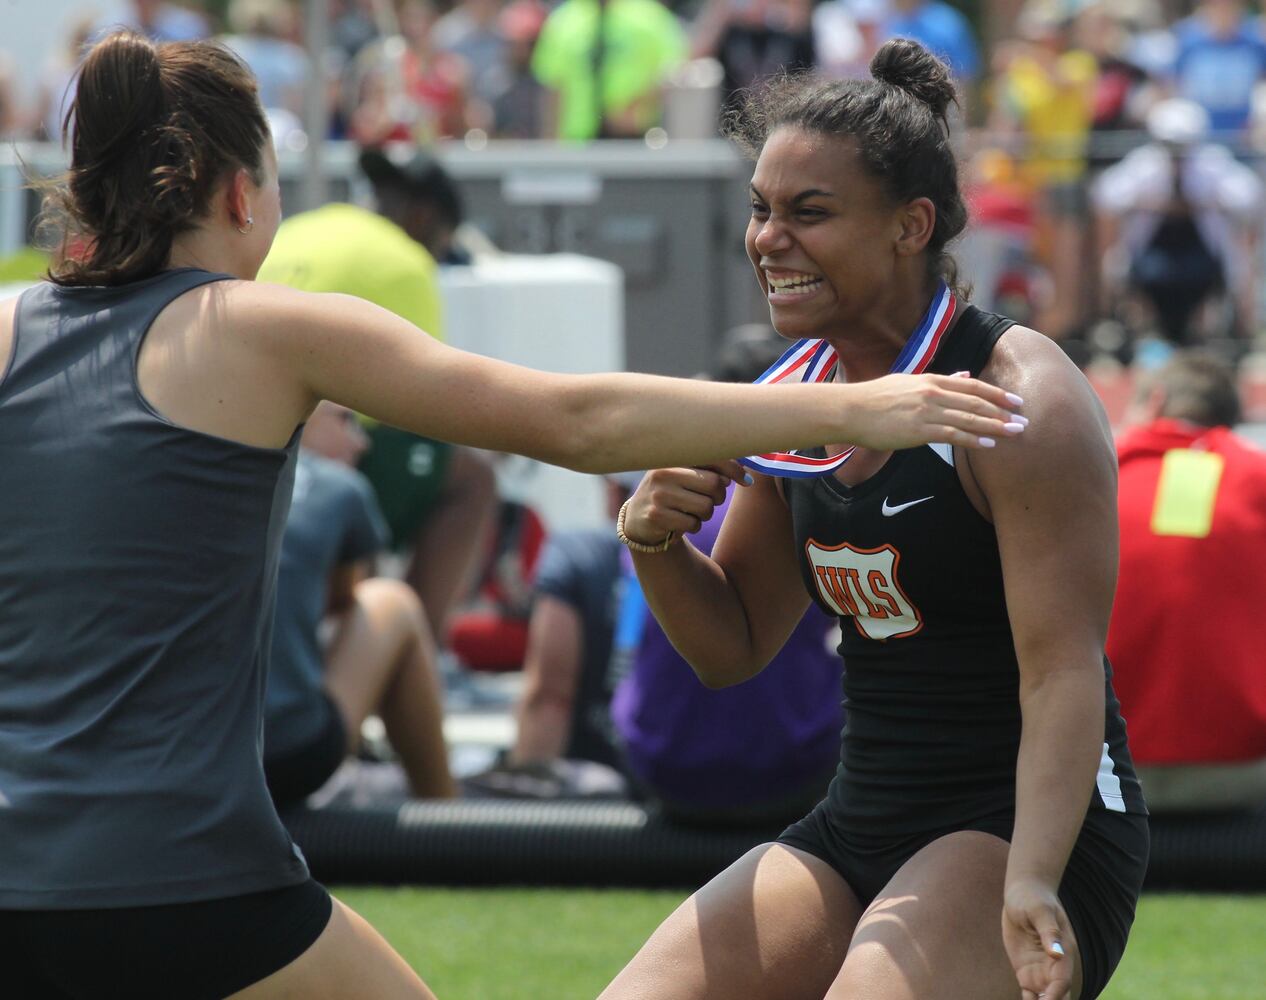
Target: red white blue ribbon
<point>814,360</point>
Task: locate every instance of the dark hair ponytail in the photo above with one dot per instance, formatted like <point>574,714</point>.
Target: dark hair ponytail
<point>899,120</point>
<point>152,130</point>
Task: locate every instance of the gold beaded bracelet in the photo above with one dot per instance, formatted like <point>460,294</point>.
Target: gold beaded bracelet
<point>638,546</point>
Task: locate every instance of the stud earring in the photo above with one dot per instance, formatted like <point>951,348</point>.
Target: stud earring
<point>250,224</point>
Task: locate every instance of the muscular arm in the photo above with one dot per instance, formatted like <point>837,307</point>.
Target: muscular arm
<point>729,615</point>
<point>1052,496</point>
<point>349,351</point>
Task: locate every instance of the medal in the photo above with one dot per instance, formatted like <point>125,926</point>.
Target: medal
<point>814,360</point>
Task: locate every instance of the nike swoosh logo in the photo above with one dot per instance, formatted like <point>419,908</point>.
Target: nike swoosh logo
<point>888,511</point>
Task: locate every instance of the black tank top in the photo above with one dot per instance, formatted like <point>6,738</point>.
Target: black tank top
<point>931,682</point>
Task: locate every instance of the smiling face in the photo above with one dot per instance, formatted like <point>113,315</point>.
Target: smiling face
<point>823,236</point>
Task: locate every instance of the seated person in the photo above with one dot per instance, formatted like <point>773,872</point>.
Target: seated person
<point>1186,213</point>
<point>378,656</point>
<point>761,752</point>
<point>1183,641</point>
<point>563,711</point>
<point>489,632</point>
<point>439,500</point>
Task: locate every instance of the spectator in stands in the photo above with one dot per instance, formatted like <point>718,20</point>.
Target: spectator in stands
<point>1186,213</point>
<point>1184,641</point>
<point>437,82</point>
<point>378,656</point>
<point>352,26</point>
<point>157,20</point>
<point>603,64</point>
<point>1044,96</point>
<point>439,500</point>
<point>563,711</point>
<point>55,91</point>
<point>846,35</point>
<point>1221,59</point>
<point>753,40</point>
<point>489,632</point>
<point>404,89</point>
<point>519,99</point>
<point>472,32</point>
<point>1124,86</point>
<point>264,34</point>
<point>941,29</point>
<point>10,112</point>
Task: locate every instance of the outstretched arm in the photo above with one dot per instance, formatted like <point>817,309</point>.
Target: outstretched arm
<point>349,351</point>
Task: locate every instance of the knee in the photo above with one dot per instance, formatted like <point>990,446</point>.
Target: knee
<point>393,601</point>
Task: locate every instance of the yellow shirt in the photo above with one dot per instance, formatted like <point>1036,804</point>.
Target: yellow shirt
<point>343,248</point>
<point>1055,109</point>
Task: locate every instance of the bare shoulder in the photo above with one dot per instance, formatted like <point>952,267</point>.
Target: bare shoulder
<point>269,320</point>
<point>1060,403</point>
<point>1067,445</point>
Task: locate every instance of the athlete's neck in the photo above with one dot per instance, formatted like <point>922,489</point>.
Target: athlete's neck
<point>870,346</point>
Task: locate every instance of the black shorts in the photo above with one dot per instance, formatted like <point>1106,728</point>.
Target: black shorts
<point>294,775</point>
<point>1100,888</point>
<point>207,949</point>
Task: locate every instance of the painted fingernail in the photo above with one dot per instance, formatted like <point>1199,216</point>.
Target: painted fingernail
<point>987,442</point>
<point>1014,400</point>
<point>1017,418</point>
<point>1057,948</point>
<point>747,479</point>
<point>1014,427</point>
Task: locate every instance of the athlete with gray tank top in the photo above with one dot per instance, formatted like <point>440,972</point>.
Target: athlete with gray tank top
<point>137,570</point>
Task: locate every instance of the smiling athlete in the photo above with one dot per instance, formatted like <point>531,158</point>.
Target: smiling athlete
<point>985,824</point>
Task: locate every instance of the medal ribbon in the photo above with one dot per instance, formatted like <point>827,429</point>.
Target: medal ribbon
<point>814,360</point>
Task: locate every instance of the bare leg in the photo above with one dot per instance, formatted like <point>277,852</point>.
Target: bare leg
<point>383,660</point>
<point>453,538</point>
<point>775,925</point>
<point>349,959</point>
<point>551,673</point>
<point>936,929</point>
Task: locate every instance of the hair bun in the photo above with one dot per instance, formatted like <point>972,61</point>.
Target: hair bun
<point>906,64</point>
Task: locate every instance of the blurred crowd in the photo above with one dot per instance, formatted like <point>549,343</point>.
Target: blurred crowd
<point>1111,145</point>
<point>1056,72</point>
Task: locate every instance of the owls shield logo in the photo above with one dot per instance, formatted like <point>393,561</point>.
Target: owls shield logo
<point>862,584</point>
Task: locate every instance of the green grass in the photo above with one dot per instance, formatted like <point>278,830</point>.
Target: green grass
<point>525,944</point>
<point>1194,948</point>
<point>514,944</point>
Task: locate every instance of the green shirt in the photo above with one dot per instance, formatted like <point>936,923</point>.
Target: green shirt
<point>643,41</point>
<point>343,248</point>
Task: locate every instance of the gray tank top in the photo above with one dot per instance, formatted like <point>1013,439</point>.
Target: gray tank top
<point>138,564</point>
